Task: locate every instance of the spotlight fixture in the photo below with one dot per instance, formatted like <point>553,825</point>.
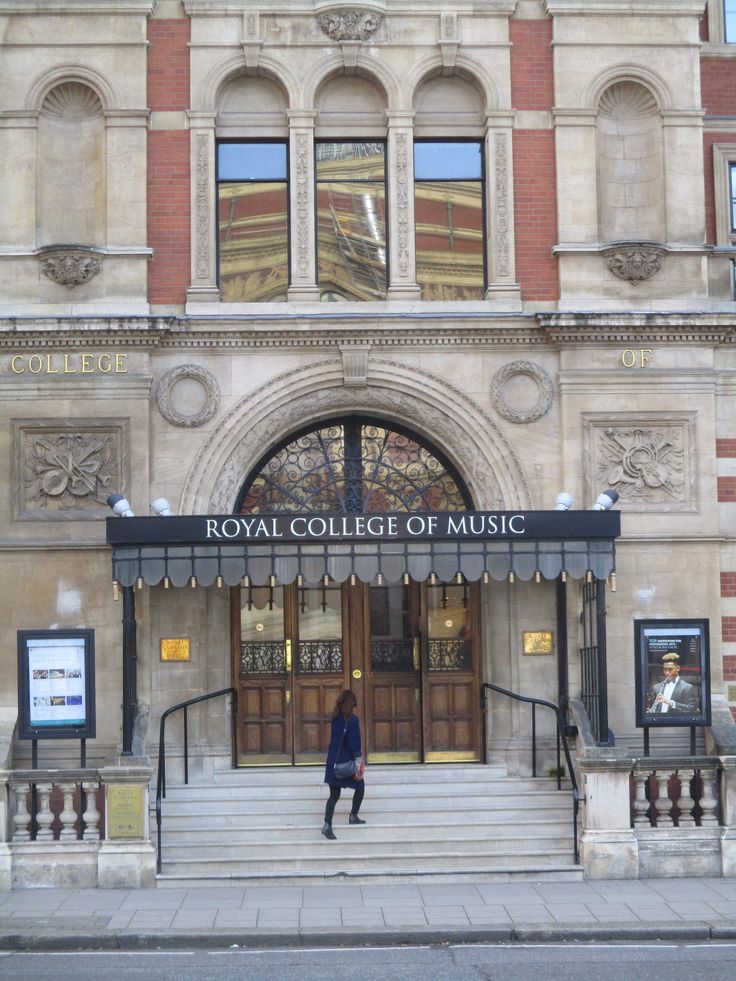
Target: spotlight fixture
<point>563,501</point>
<point>120,506</point>
<point>161,507</point>
<point>605,500</point>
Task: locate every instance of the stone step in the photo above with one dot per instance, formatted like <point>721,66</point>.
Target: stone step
<point>374,876</point>
<point>434,773</point>
<point>406,837</point>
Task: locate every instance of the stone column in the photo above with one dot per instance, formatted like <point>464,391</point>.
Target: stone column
<point>127,857</point>
<point>400,206</point>
<point>18,163</point>
<point>126,134</point>
<point>303,216</point>
<point>500,258</point>
<point>608,845</point>
<point>203,287</point>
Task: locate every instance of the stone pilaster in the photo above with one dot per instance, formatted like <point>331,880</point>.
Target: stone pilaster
<point>203,287</point>
<point>400,205</point>
<point>303,285</point>
<point>500,253</point>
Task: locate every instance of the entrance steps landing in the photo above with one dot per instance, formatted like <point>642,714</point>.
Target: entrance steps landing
<point>423,823</point>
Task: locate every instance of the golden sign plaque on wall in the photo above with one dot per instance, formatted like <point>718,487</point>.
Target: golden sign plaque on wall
<point>125,811</point>
<point>538,642</point>
<point>174,648</point>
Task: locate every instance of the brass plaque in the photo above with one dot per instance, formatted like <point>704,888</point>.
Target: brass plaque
<point>174,648</point>
<point>538,642</point>
<point>125,811</point>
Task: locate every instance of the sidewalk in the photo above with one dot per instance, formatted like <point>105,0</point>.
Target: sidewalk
<point>342,913</point>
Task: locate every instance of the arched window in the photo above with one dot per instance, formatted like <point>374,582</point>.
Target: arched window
<point>353,466</point>
<point>252,191</point>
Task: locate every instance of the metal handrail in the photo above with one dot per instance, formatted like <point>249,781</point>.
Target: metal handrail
<point>161,775</point>
<point>561,741</point>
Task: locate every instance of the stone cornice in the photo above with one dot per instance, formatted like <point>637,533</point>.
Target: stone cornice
<point>112,7</point>
<point>309,8</point>
<point>683,8</point>
<point>388,331</point>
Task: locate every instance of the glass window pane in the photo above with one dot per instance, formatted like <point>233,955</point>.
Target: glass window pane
<point>354,161</point>
<point>251,161</point>
<point>351,240</point>
<point>730,21</point>
<point>447,161</point>
<point>449,239</point>
<point>254,241</point>
<point>732,176</point>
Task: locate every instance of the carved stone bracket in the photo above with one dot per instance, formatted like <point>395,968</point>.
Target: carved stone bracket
<point>165,398</point>
<point>70,265</point>
<point>526,369</point>
<point>348,24</point>
<point>634,261</point>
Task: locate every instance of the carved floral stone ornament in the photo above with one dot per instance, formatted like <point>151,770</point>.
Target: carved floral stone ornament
<point>519,414</point>
<point>70,265</point>
<point>350,23</point>
<point>176,394</point>
<point>634,261</point>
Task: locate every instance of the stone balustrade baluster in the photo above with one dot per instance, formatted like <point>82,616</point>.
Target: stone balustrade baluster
<point>91,816</point>
<point>685,802</point>
<point>708,799</point>
<point>22,817</point>
<point>663,804</point>
<point>68,816</point>
<point>44,815</point>
<point>641,804</point>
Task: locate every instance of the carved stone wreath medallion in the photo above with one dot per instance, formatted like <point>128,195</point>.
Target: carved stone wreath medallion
<point>525,369</point>
<point>170,402</point>
<point>349,25</point>
<point>70,266</point>
<point>634,261</point>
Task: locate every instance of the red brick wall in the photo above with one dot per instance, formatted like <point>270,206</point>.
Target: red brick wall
<point>725,448</point>
<point>535,208</point>
<point>718,85</point>
<point>728,584</point>
<point>532,80</point>
<point>729,667</point>
<point>168,64</point>
<point>728,630</point>
<point>726,489</point>
<point>168,164</point>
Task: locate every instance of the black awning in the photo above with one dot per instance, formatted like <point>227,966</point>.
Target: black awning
<point>282,548</point>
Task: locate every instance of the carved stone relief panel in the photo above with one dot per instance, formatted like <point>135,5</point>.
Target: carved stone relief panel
<point>66,470</point>
<point>649,459</point>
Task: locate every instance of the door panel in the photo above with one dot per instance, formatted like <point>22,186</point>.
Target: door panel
<point>408,651</point>
<point>394,711</point>
<point>450,679</point>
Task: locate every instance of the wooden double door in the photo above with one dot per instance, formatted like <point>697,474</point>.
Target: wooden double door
<point>409,652</point>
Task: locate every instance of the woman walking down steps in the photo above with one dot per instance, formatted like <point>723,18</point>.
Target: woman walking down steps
<point>344,746</point>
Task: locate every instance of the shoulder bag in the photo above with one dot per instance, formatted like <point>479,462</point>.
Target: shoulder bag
<point>347,770</point>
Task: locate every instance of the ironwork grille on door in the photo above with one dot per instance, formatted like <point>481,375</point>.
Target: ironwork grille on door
<point>594,679</point>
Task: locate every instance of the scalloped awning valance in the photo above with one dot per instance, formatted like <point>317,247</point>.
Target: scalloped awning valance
<point>229,549</point>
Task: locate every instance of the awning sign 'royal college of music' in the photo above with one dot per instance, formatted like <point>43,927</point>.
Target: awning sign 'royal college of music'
<point>474,544</point>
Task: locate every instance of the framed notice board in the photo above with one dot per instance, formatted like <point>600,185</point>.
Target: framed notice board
<point>56,684</point>
<point>672,672</point>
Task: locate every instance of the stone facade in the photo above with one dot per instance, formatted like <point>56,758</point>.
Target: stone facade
<point>603,335</point>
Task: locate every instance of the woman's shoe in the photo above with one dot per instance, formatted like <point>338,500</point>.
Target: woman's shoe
<point>354,819</point>
<point>328,832</point>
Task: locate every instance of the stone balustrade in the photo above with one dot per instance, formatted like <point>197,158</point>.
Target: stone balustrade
<point>76,827</point>
<point>52,806</point>
<point>675,793</point>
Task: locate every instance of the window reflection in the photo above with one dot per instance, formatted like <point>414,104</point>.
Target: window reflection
<point>253,233</point>
<point>732,183</point>
<point>351,221</point>
<point>730,21</point>
<point>448,201</point>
